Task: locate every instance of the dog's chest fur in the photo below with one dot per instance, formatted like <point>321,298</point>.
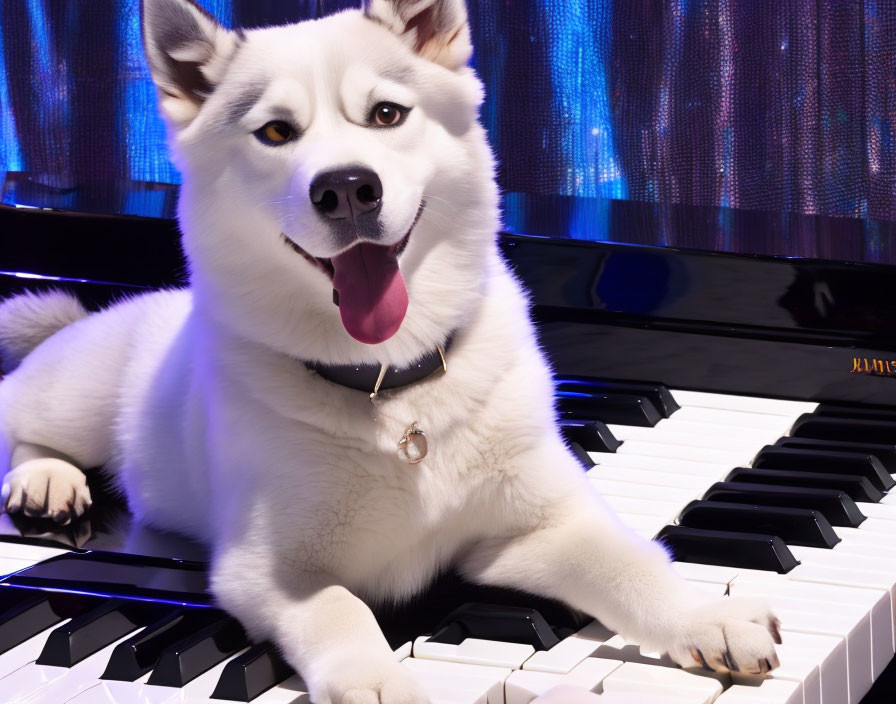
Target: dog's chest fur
<point>260,434</point>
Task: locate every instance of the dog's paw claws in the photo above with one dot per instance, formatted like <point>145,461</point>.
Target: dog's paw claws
<point>47,488</point>
<point>731,635</point>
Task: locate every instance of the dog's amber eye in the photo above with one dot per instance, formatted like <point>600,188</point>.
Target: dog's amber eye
<point>275,133</point>
<point>387,115</point>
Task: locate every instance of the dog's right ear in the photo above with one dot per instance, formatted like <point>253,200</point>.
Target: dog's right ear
<point>436,29</point>
<point>187,52</point>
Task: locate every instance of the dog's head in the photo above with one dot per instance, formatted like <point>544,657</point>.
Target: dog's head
<point>331,160</point>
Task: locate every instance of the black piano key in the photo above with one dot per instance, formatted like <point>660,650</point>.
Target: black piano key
<point>136,656</point>
<point>581,455</point>
<point>184,661</point>
<point>25,613</point>
<point>837,507</point>
<point>592,435</point>
<point>798,460</point>
<point>252,673</point>
<point>885,453</point>
<point>511,624</point>
<point>118,575</point>
<point>728,549</point>
<point>809,425</point>
<point>610,408</point>
<point>658,394</point>
<point>857,488</point>
<point>795,526</point>
<point>842,410</point>
<point>89,632</point>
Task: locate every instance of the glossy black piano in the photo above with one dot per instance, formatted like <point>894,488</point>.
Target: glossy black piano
<point>727,378</point>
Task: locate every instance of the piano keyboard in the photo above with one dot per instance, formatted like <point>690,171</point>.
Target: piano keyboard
<point>781,500</point>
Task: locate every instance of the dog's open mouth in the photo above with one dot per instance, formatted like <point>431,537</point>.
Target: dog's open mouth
<point>367,286</point>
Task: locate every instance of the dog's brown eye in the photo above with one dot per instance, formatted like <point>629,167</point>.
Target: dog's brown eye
<point>275,133</point>
<point>387,115</point>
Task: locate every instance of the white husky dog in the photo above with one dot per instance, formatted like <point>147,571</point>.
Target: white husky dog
<point>339,154</point>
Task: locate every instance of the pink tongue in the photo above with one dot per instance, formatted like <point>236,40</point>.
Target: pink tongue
<point>372,296</point>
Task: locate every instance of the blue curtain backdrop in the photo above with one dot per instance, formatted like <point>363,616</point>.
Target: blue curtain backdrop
<point>768,104</point>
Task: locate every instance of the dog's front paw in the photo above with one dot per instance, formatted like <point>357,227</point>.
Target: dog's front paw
<point>46,488</point>
<point>730,634</point>
<point>360,680</point>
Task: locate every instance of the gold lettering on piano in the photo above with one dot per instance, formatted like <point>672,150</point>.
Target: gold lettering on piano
<point>873,367</point>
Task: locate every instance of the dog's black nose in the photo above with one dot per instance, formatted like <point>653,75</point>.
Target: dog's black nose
<point>348,192</point>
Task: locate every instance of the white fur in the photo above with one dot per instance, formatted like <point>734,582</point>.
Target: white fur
<point>197,400</point>
<point>30,318</point>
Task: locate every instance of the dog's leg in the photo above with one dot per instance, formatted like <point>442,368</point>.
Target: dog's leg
<point>585,557</point>
<point>325,632</point>
<point>43,482</point>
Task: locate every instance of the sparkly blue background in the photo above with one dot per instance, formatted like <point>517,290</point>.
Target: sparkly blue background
<point>785,106</point>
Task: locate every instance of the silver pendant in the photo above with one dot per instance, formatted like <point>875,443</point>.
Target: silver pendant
<point>412,447</point>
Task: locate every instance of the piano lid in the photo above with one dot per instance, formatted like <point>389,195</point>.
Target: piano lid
<point>680,226</point>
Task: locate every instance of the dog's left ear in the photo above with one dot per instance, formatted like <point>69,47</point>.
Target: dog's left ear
<point>436,29</point>
<point>187,51</point>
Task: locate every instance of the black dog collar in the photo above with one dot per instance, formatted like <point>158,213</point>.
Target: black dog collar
<point>374,378</point>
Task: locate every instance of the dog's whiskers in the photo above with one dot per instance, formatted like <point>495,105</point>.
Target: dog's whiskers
<point>275,201</point>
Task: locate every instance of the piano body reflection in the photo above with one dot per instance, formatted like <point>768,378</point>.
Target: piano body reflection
<point>727,378</point>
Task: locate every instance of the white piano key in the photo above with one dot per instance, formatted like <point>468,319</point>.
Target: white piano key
<point>522,686</point>
<point>845,576</point>
<point>475,651</point>
<point>570,651</point>
<point>713,574</point>
<point>882,526</point>
<point>796,667</point>
<point>842,555</point>
<point>618,648</point>
<point>649,680</point>
<point>880,511</point>
<point>290,691</point>
<point>779,424</point>
<point>8,565</point>
<point>404,651</point>
<point>828,653</point>
<point>31,553</point>
<point>877,602</point>
<point>686,450</point>
<point>821,598</point>
<point>655,698</point>
<point>120,692</point>
<point>200,688</point>
<point>801,629</point>
<point>458,683</point>
<point>614,488</point>
<point>661,464</point>
<point>750,404</point>
<point>647,476</point>
<point>818,663</point>
<point>38,684</point>
<point>26,652</point>
<point>889,499</point>
<point>848,623</point>
<point>96,694</point>
<point>707,435</point>
<point>868,552</point>
<point>703,477</point>
<point>854,537</point>
<point>197,691</point>
<point>648,507</point>
<point>769,691</point>
<point>645,526</point>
